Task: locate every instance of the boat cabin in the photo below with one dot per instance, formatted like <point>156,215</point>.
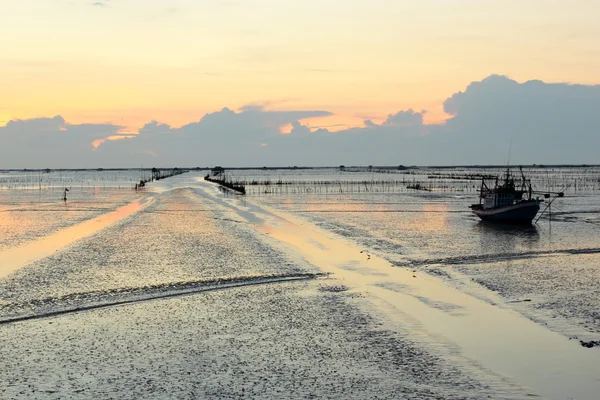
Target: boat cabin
<point>499,200</point>
<point>503,194</point>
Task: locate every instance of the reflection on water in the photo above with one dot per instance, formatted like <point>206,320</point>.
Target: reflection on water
<point>507,229</point>
<point>434,218</point>
<point>506,237</point>
<point>19,256</point>
<point>28,215</point>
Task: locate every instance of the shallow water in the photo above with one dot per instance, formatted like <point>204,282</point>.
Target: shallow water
<point>554,263</point>
<point>26,215</point>
<point>357,295</point>
<point>488,332</point>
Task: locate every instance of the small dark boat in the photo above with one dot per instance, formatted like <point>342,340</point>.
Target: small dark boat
<point>505,202</point>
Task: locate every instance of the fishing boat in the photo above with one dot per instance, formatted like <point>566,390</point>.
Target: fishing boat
<point>507,201</point>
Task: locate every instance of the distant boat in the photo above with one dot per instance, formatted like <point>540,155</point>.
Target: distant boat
<point>507,203</point>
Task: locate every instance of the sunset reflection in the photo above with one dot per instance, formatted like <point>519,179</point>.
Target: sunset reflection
<point>433,217</point>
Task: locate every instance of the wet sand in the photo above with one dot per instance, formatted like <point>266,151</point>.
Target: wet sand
<point>201,295</point>
<point>17,257</point>
<point>288,340</point>
<point>547,271</point>
<point>495,337</point>
<point>29,215</point>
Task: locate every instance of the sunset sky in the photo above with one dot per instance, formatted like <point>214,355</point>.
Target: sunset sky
<point>128,62</point>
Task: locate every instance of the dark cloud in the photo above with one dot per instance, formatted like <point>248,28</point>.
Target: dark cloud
<point>222,137</point>
<point>50,142</point>
<point>405,118</point>
<point>299,129</point>
<point>546,123</point>
<point>155,128</point>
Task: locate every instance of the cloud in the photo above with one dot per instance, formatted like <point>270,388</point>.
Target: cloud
<point>155,128</point>
<point>33,126</point>
<point>39,142</point>
<point>546,123</point>
<point>225,136</point>
<point>405,118</point>
<point>299,129</point>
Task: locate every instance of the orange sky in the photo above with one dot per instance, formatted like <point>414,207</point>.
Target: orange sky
<point>131,61</point>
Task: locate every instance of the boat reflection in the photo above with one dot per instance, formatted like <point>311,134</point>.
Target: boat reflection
<point>505,228</point>
<point>497,237</point>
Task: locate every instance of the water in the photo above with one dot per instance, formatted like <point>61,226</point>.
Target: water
<point>270,293</point>
<point>46,179</point>
<point>553,264</point>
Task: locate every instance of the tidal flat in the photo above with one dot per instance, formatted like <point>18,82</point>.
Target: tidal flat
<point>200,293</point>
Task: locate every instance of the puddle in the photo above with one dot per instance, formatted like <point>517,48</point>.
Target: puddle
<point>18,257</point>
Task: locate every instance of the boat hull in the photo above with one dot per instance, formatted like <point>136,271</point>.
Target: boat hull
<point>518,213</point>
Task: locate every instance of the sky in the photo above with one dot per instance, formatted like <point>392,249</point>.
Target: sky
<point>112,83</point>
